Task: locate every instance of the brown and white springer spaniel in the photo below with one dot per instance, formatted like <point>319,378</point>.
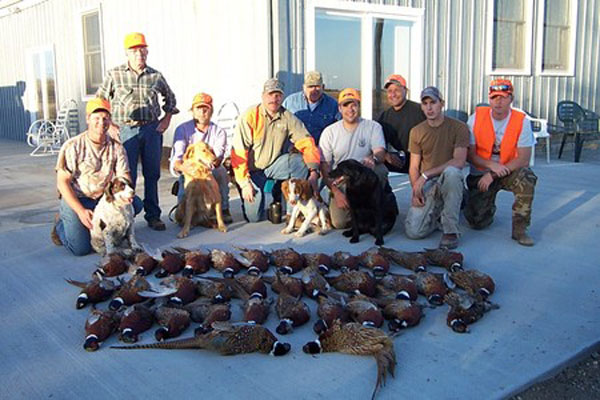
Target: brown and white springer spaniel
<point>112,223</point>
<point>299,193</point>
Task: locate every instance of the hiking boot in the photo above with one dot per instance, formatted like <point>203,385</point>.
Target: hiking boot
<point>53,234</point>
<point>521,236</point>
<point>227,217</point>
<point>449,241</point>
<point>157,225</point>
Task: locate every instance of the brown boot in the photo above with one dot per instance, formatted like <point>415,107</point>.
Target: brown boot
<point>519,233</point>
<point>449,241</point>
<point>53,235</point>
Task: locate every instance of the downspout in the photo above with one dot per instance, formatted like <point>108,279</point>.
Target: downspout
<point>270,34</point>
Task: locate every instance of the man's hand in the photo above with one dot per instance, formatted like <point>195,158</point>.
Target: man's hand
<point>163,124</point>
<point>394,160</point>
<point>217,162</point>
<point>85,216</point>
<point>418,198</point>
<point>313,179</point>
<point>500,170</point>
<point>484,183</point>
<point>341,201</point>
<point>113,132</point>
<point>248,193</point>
<point>369,162</point>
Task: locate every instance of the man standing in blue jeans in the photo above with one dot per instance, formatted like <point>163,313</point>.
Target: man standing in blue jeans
<point>132,89</point>
<point>258,153</point>
<point>87,163</point>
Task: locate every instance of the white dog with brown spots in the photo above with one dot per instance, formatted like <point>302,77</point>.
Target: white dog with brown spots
<point>300,194</point>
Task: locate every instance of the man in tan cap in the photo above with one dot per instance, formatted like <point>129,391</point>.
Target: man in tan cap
<point>201,129</point>
<point>312,105</point>
<point>86,164</point>
<point>131,88</point>
<point>397,121</point>
<point>259,145</point>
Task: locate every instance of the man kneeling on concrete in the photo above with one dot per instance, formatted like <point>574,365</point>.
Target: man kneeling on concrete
<point>501,140</point>
<point>438,151</point>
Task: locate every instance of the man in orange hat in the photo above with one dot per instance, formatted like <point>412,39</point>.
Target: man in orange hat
<point>132,90</point>
<point>201,129</point>
<point>86,164</point>
<point>351,138</point>
<point>499,152</point>
<point>397,121</point>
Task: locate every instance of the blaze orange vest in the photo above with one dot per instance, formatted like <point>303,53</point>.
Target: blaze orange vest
<point>485,135</point>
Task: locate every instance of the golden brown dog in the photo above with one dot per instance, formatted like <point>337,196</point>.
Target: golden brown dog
<point>202,199</point>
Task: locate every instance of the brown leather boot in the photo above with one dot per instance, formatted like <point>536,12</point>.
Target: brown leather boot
<point>53,234</point>
<point>519,233</point>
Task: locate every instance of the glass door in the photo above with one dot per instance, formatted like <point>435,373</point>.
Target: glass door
<point>41,83</point>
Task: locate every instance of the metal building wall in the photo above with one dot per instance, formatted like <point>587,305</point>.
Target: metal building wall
<point>455,50</point>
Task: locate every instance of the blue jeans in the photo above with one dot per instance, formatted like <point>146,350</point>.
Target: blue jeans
<point>222,179</point>
<point>284,167</point>
<point>72,233</point>
<point>146,143</point>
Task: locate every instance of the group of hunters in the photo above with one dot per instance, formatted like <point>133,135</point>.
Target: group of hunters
<point>302,136</point>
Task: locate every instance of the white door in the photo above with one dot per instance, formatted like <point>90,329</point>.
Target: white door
<point>41,83</point>
<point>358,45</point>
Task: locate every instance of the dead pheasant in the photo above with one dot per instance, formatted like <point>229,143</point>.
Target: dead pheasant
<point>399,286</point>
<point>206,312</point>
<point>401,313</point>
<point>257,261</point>
<point>375,261</point>
<point>252,284</point>
<point>431,286</point>
<point>343,260</point>
<point>364,311</point>
<point>196,262</point>
<point>474,282</point>
<point>292,312</point>
<point>465,310</point>
<point>93,292</point>
<point>172,321</point>
<point>255,307</point>
<point>414,261</point>
<point>225,263</point>
<point>128,293</point>
<point>450,260</point>
<point>354,282</point>
<point>313,282</point>
<point>112,265</point>
<point>135,320</point>
<point>216,290</point>
<point>143,264</point>
<point>330,307</point>
<point>355,339</point>
<point>226,339</point>
<point>285,282</point>
<point>321,261</point>
<point>98,327</point>
<point>172,262</point>
<point>287,261</point>
<point>185,289</point>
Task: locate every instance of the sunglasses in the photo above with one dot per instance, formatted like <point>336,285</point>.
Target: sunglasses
<point>501,88</point>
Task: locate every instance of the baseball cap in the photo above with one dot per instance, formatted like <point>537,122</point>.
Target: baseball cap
<point>135,39</point>
<point>348,94</point>
<point>202,99</point>
<point>95,104</point>
<point>500,87</point>
<point>394,78</point>
<point>313,78</point>
<point>431,92</point>
<point>273,85</point>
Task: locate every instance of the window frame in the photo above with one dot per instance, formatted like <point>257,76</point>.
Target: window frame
<point>529,37</point>
<point>81,56</point>
<point>570,71</point>
<point>32,98</point>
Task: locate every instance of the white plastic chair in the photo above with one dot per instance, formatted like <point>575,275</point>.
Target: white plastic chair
<point>539,126</point>
<point>227,118</point>
<point>47,136</point>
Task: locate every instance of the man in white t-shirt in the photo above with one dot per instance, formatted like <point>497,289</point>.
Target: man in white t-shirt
<point>499,152</point>
<point>353,138</point>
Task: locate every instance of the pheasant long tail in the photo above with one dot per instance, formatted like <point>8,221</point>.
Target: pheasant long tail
<point>191,343</point>
<point>386,363</point>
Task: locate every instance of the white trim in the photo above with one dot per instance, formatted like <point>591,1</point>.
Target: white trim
<point>570,71</point>
<point>81,47</point>
<point>527,70</point>
<point>366,13</point>
<point>32,102</point>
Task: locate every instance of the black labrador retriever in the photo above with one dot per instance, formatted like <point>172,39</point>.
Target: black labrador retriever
<point>373,209</point>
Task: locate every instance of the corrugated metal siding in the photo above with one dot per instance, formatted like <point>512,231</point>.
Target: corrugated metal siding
<point>455,50</point>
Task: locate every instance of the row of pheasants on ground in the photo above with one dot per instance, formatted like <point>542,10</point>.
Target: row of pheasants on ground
<point>351,306</point>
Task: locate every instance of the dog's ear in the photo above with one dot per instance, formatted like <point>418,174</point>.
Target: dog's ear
<point>189,152</point>
<point>306,190</point>
<point>285,189</point>
<point>108,191</point>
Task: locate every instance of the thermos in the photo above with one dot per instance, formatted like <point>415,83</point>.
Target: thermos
<point>274,212</point>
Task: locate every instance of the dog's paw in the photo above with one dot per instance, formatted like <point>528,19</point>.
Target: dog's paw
<point>379,242</point>
<point>222,228</point>
<point>286,231</point>
<point>324,231</point>
<point>354,239</point>
<point>348,233</point>
<point>183,233</point>
<point>300,233</point>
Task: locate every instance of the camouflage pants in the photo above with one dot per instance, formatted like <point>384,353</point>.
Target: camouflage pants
<point>481,206</point>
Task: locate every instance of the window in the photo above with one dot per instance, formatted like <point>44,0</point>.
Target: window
<point>92,52</point>
<point>556,33</point>
<point>41,83</point>
<point>510,36</point>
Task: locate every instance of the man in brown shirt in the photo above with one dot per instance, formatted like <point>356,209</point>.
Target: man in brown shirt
<point>438,151</point>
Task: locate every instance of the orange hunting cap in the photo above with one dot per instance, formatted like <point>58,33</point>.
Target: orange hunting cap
<point>347,95</point>
<point>135,39</point>
<point>202,99</point>
<point>500,87</point>
<point>97,104</point>
<point>394,78</point>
